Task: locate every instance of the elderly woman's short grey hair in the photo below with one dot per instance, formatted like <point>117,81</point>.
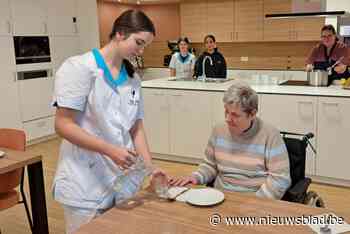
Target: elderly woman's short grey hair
<point>242,94</point>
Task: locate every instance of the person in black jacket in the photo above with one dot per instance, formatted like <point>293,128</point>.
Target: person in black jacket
<point>214,68</point>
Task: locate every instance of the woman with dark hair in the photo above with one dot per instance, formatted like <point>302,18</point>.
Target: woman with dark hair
<point>100,118</point>
<point>328,52</point>
<point>215,64</point>
<point>182,62</point>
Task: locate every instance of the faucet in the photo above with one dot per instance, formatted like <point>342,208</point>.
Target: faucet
<point>204,76</point>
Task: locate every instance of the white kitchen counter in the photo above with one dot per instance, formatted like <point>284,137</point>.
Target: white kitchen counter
<point>331,91</point>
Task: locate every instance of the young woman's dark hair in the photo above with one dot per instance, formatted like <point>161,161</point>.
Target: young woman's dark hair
<point>209,36</point>
<point>330,28</point>
<point>183,39</point>
<point>131,21</point>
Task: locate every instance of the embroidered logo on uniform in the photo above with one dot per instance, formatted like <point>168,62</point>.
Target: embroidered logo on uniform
<point>133,100</point>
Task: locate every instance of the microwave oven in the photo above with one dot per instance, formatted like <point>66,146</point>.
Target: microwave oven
<point>32,49</point>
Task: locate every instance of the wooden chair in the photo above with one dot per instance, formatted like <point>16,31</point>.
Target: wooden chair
<point>9,196</point>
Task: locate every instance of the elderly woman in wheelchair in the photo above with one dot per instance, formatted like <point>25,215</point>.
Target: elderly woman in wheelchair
<point>244,153</point>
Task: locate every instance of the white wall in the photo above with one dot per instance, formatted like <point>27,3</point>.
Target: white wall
<point>336,5</point>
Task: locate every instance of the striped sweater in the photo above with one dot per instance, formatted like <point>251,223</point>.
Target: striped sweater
<point>256,161</point>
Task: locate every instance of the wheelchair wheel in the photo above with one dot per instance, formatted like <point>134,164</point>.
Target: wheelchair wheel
<point>314,200</point>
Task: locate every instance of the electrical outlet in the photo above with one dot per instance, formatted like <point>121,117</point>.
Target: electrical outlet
<point>244,59</point>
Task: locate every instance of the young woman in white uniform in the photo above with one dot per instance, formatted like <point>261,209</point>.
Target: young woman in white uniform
<point>182,63</point>
<point>100,118</point>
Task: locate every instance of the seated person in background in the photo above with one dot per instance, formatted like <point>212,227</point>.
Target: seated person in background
<point>215,64</point>
<point>244,153</point>
<point>182,63</point>
<point>329,51</point>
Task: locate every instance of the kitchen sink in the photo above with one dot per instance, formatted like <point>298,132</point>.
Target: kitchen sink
<point>207,80</point>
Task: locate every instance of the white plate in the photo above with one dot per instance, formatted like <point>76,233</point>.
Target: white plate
<point>2,154</point>
<point>204,197</point>
<point>175,191</point>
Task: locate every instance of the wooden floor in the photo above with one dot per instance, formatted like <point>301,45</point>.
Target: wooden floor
<point>13,220</point>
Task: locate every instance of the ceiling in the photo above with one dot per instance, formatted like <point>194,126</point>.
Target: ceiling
<point>143,1</point>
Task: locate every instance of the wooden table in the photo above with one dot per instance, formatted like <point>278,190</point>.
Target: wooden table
<point>150,215</point>
<point>18,159</point>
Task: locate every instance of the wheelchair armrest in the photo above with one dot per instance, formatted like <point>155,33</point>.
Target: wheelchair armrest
<point>299,188</point>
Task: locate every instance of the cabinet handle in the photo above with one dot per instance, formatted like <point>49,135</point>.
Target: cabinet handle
<point>75,28</point>
<point>305,102</point>
<point>176,95</point>
<point>330,104</point>
<point>236,35</point>
<point>9,27</point>
<point>231,34</point>
<point>158,94</point>
<point>14,76</point>
<point>45,28</point>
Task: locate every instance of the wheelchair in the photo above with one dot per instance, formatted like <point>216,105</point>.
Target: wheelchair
<point>298,192</point>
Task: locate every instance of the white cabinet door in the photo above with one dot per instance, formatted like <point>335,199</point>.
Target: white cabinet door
<point>60,17</point>
<point>292,113</point>
<point>35,98</point>
<point>63,47</point>
<point>156,120</point>
<point>333,138</point>
<point>5,18</point>
<point>9,104</point>
<point>87,22</point>
<point>29,17</point>
<point>218,111</point>
<point>190,122</point>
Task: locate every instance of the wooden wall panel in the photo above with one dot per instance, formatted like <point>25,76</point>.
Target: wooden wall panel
<point>154,54</point>
<point>160,15</point>
<point>107,13</point>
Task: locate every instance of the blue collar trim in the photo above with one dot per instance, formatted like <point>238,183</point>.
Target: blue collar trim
<point>122,76</point>
<point>183,59</point>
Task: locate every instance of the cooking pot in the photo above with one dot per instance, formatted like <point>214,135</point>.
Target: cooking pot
<point>317,78</point>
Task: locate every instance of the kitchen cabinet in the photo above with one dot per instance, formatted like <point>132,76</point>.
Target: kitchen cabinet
<point>39,128</point>
<point>62,17</point>
<point>190,122</point>
<point>333,138</point>
<point>277,29</point>
<point>307,29</point>
<point>63,47</point>
<point>5,18</point>
<point>296,114</point>
<point>193,16</point>
<point>156,120</point>
<point>9,102</point>
<point>35,97</point>
<point>87,23</point>
<point>29,17</point>
<point>248,20</point>
<point>296,29</point>
<point>178,122</point>
<point>220,20</point>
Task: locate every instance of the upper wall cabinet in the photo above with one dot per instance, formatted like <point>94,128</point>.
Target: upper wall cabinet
<point>296,29</point>
<point>248,20</point>
<point>29,17</point>
<point>5,18</point>
<point>194,20</point>
<point>277,29</point>
<point>62,17</point>
<point>220,20</point>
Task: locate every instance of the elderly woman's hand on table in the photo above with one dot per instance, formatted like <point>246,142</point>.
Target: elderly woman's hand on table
<point>182,181</point>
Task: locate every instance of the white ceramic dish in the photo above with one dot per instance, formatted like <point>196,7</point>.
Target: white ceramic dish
<point>204,197</point>
<point>2,154</point>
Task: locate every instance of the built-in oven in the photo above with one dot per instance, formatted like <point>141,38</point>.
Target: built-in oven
<point>32,49</point>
